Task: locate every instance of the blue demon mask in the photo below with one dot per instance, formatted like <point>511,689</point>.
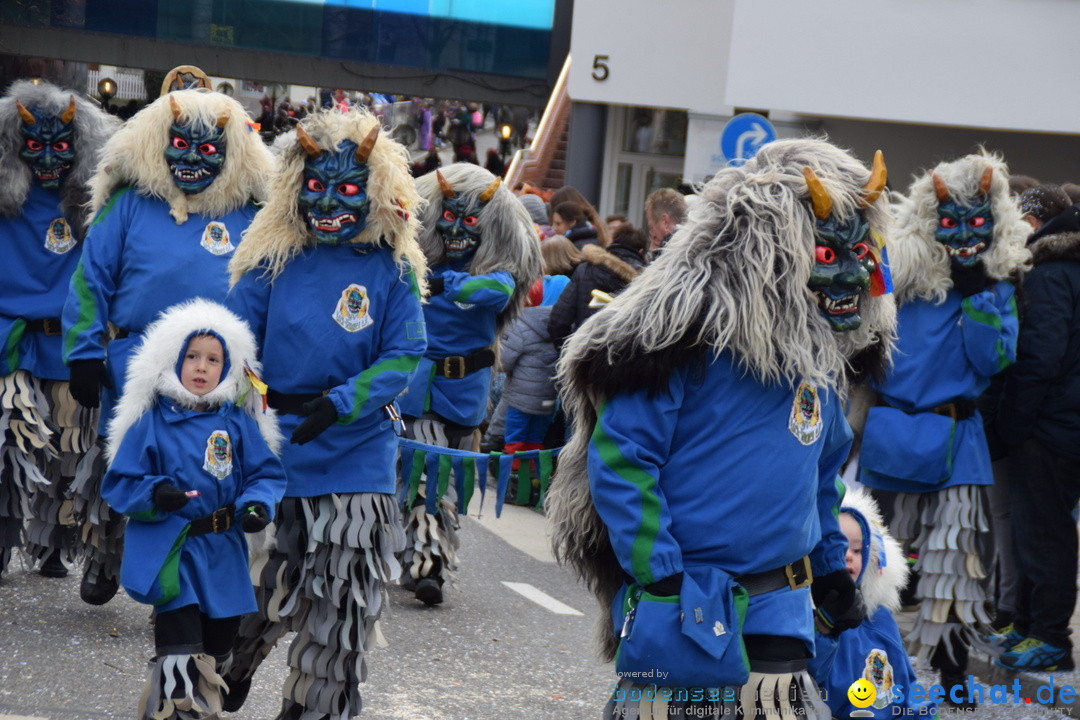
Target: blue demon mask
<point>458,223</point>
<point>966,231</point>
<point>843,264</point>
<point>48,144</point>
<point>334,196</point>
<point>195,155</point>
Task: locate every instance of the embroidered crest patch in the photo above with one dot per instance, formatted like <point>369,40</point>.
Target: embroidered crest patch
<point>805,421</point>
<point>879,673</point>
<point>58,238</point>
<point>352,308</point>
<point>215,238</point>
<point>218,460</point>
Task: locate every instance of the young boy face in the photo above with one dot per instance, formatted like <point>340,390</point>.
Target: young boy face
<point>853,531</point>
<point>203,361</point>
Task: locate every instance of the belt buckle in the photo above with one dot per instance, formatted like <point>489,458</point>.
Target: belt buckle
<point>51,328</point>
<point>448,363</point>
<point>220,520</point>
<point>794,570</point>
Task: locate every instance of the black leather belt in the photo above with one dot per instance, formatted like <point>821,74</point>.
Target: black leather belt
<point>216,522</point>
<point>290,403</point>
<point>121,333</point>
<point>794,575</point>
<point>458,366</point>
<point>49,326</point>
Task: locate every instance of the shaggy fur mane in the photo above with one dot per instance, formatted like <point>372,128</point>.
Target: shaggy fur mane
<point>135,155</point>
<point>733,279</point>
<point>279,231</point>
<point>919,263</point>
<point>508,240</point>
<point>92,128</point>
<point>152,370</point>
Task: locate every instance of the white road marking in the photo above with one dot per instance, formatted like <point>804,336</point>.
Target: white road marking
<point>19,717</point>
<point>542,599</point>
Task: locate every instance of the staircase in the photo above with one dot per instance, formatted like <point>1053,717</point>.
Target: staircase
<point>543,163</point>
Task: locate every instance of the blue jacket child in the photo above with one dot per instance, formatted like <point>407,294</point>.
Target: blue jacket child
<point>874,650</point>
<point>193,466</point>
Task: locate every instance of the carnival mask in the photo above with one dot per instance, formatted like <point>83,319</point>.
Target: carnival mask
<point>195,155</point>
<point>334,197</point>
<point>459,219</point>
<point>965,231</point>
<point>48,144</point>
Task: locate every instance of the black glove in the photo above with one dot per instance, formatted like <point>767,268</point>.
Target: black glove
<point>87,379</point>
<point>435,286</point>
<point>968,280</point>
<point>169,498</point>
<point>256,518</point>
<point>838,604</point>
<point>666,587</point>
<point>319,414</point>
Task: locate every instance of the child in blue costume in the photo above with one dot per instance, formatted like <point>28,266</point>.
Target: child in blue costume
<point>330,276</point>
<point>959,240</point>
<point>174,191</point>
<point>874,649</point>
<point>192,464</point>
<point>49,144</point>
<point>697,495</point>
<point>483,256</point>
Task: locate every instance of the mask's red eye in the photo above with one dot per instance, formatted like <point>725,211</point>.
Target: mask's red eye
<point>61,146</point>
<point>179,143</point>
<point>861,250</point>
<point>348,189</point>
<point>208,149</point>
<point>825,255</point>
<point>471,221</point>
<point>977,221</point>
<point>314,185</point>
<point>34,145</point>
<point>948,223</point>
<point>448,216</point>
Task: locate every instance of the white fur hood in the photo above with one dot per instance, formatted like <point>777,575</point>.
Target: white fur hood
<point>153,370</point>
<point>885,571</point>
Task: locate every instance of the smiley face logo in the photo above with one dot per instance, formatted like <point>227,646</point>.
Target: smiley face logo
<point>861,693</point>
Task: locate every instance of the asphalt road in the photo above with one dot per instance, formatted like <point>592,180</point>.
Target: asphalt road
<point>487,652</point>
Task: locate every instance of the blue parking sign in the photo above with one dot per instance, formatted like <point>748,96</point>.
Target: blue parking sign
<point>743,135</point>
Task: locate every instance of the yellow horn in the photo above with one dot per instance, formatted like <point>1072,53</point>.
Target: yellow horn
<point>986,180</point>
<point>221,121</point>
<point>175,106</point>
<point>364,150</point>
<point>876,184</point>
<point>490,192</point>
<point>821,200</point>
<point>940,190</point>
<point>70,112</point>
<point>26,115</point>
<point>306,142</point>
<point>447,190</point>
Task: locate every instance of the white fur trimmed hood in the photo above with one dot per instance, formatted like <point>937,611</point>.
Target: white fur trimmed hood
<point>152,370</point>
<point>885,570</point>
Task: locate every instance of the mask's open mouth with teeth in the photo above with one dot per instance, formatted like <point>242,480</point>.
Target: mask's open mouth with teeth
<point>50,175</point>
<point>184,175</point>
<point>330,224</point>
<point>839,306</point>
<point>966,251</point>
<point>458,245</point>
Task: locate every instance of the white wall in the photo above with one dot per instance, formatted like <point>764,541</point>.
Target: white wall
<point>661,53</point>
<point>1006,64</point>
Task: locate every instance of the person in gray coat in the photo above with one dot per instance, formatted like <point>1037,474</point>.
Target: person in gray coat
<point>528,358</point>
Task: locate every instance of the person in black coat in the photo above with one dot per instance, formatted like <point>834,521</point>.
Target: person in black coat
<point>607,270</point>
<point>1040,421</point>
<point>568,219</point>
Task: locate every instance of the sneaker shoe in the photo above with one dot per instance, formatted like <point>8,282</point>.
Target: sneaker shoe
<point>53,567</point>
<point>428,591</point>
<point>1035,655</point>
<point>1007,637</point>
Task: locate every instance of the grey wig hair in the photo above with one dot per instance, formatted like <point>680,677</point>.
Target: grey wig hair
<point>508,240</point>
<point>920,263</point>
<point>733,278</point>
<point>92,128</point>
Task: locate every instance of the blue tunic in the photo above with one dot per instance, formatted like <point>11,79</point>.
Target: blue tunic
<point>460,320</point>
<point>136,262</point>
<point>345,320</point>
<point>945,353</point>
<point>221,455</point>
<point>39,256</point>
<point>723,471</point>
